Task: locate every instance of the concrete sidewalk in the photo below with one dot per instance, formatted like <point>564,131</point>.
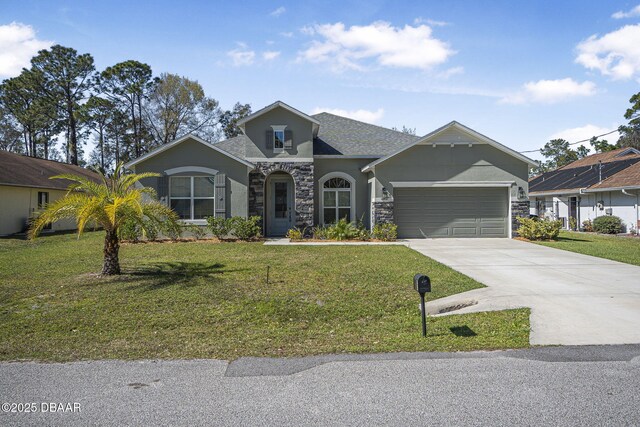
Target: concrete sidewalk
<point>574,298</point>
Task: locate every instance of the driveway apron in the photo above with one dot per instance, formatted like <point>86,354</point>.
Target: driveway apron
<point>574,298</point>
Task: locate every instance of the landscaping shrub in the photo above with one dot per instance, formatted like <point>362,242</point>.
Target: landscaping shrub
<point>172,231</point>
<point>342,230</point>
<point>573,223</point>
<point>130,231</point>
<point>295,234</point>
<point>150,229</point>
<point>608,224</point>
<point>319,233</point>
<point>220,227</point>
<point>245,228</point>
<point>386,231</point>
<point>545,229</point>
<point>587,226</point>
<point>198,232</point>
<point>361,231</point>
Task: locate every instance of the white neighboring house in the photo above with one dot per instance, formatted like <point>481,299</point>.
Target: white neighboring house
<point>25,189</point>
<point>600,184</point>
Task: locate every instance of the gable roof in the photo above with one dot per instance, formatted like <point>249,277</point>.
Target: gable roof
<point>279,104</point>
<point>165,147</point>
<point>343,136</point>
<point>608,156</point>
<point>24,171</point>
<point>459,126</point>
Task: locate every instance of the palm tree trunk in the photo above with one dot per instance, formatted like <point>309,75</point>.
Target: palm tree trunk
<point>111,265</point>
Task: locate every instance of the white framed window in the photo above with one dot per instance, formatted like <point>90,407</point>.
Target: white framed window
<point>192,197</point>
<point>278,138</point>
<point>337,198</point>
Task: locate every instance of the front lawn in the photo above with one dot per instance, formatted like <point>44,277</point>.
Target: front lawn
<point>207,300</point>
<point>623,249</point>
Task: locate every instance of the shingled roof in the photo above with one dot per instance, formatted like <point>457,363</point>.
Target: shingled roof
<point>342,136</point>
<point>612,169</point>
<point>235,145</point>
<point>23,171</point>
<point>606,157</point>
<point>629,177</point>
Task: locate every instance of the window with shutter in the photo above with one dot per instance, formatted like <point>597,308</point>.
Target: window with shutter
<point>193,197</point>
<point>279,138</point>
<point>288,140</point>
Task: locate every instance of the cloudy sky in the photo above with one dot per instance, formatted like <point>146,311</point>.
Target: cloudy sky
<point>519,72</point>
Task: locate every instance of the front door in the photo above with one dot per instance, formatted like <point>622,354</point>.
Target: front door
<point>573,211</point>
<point>280,211</point>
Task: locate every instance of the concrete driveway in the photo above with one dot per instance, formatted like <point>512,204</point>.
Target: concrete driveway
<point>574,298</point>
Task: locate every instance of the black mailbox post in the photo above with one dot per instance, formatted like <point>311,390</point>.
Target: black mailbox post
<point>422,284</point>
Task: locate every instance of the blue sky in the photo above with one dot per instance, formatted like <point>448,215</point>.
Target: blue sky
<point>519,72</point>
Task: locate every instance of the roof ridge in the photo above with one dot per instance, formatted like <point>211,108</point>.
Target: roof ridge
<point>368,124</point>
<point>46,160</point>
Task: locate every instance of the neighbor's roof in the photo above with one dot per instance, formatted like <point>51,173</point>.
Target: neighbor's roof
<point>609,156</point>
<point>587,175</point>
<point>629,177</point>
<point>24,171</point>
<point>342,136</point>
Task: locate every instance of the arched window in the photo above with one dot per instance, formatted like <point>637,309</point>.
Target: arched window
<point>337,198</point>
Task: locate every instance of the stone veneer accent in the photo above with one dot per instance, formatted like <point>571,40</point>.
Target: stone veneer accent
<point>382,211</point>
<point>518,209</point>
<point>302,174</point>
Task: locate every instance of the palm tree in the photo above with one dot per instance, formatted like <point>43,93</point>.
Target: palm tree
<point>109,204</point>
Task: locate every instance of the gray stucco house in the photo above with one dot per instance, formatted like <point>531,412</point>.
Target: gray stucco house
<point>293,169</point>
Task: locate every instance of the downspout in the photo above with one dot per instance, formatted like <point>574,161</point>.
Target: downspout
<point>626,193</point>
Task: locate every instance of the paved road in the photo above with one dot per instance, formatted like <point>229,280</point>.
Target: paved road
<point>542,386</point>
<point>574,298</point>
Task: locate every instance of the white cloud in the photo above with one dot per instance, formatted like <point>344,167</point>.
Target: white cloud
<point>361,115</point>
<point>451,72</point>
<point>550,91</point>
<point>347,48</point>
<point>585,132</point>
<point>628,14</point>
<point>242,55</point>
<point>615,54</point>
<point>18,44</point>
<point>279,11</point>
<point>270,55</point>
<point>287,34</point>
<point>431,22</point>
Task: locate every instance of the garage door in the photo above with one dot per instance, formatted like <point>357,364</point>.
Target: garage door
<point>451,212</point>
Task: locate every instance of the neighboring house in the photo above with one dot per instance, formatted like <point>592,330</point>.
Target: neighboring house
<point>25,188</point>
<point>600,184</point>
<point>296,170</point>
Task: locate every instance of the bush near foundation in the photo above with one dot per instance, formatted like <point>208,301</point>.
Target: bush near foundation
<point>608,224</point>
<point>536,229</point>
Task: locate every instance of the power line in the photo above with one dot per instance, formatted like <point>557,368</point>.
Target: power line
<point>574,143</point>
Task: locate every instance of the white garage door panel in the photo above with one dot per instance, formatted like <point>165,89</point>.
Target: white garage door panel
<point>451,212</point>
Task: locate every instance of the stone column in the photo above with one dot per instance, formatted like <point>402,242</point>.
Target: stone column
<point>382,211</point>
<point>519,208</point>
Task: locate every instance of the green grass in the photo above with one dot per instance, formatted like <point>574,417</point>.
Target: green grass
<point>207,300</point>
<point>623,249</point>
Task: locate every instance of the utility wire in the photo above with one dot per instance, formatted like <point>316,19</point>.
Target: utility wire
<point>574,143</point>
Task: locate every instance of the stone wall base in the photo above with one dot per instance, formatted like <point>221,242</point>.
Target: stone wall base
<point>518,209</point>
<point>382,211</point>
